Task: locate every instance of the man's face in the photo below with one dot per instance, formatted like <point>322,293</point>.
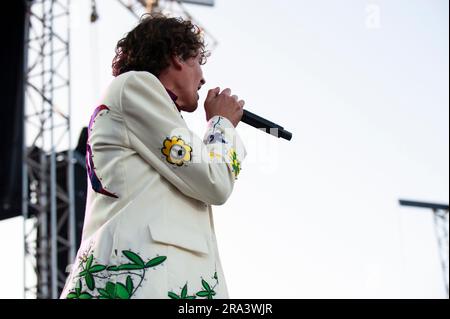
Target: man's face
<point>191,80</point>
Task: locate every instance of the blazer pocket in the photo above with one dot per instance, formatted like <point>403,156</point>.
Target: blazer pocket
<point>179,236</point>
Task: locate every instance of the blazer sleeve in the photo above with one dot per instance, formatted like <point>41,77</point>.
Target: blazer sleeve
<point>204,169</point>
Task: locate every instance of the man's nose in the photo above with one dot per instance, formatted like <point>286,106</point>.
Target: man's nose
<point>202,81</point>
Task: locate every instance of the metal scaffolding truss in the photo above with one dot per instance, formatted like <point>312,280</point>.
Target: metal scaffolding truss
<point>441,224</point>
<point>47,204</point>
<point>441,228</point>
<point>172,8</point>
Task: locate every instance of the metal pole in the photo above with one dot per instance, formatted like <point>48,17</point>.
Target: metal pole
<point>442,249</point>
<point>53,222</point>
<point>42,237</point>
<point>70,161</point>
<point>24,151</point>
<point>440,215</point>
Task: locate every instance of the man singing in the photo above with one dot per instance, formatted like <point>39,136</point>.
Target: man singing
<point>149,230</point>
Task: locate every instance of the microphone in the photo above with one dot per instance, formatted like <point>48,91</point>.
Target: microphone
<point>265,125</point>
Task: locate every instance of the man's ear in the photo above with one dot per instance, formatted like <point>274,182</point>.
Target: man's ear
<point>177,62</point>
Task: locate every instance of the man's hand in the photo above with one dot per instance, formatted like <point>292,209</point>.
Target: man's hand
<point>224,104</point>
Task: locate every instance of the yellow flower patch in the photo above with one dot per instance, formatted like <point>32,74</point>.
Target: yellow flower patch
<point>176,151</point>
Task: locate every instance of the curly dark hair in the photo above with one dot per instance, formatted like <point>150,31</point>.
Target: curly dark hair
<point>149,46</point>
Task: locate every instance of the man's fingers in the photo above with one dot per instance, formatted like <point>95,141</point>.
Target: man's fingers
<point>227,91</point>
<point>212,93</point>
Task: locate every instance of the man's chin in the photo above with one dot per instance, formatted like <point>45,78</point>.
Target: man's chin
<point>193,108</point>
<point>189,109</point>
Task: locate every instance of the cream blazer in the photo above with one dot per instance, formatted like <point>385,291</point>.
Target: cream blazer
<point>149,230</point>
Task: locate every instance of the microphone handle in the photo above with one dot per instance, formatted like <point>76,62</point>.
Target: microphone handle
<point>265,125</point>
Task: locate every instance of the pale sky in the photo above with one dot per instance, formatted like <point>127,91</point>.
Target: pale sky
<point>363,87</point>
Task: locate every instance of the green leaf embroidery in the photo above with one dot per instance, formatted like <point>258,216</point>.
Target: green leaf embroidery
<point>90,281</point>
<point>183,295</point>
<point>155,261</point>
<point>89,261</point>
<point>85,295</point>
<point>78,287</point>
<point>235,164</point>
<point>121,291</point>
<point>78,294</point>
<point>173,295</point>
<point>133,257</point>
<point>206,285</point>
<point>203,293</point>
<point>103,293</point>
<point>113,268</point>
<point>72,295</point>
<point>111,289</point>
<point>96,268</point>
<point>208,292</point>
<point>130,285</point>
<point>130,267</point>
<point>184,292</point>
